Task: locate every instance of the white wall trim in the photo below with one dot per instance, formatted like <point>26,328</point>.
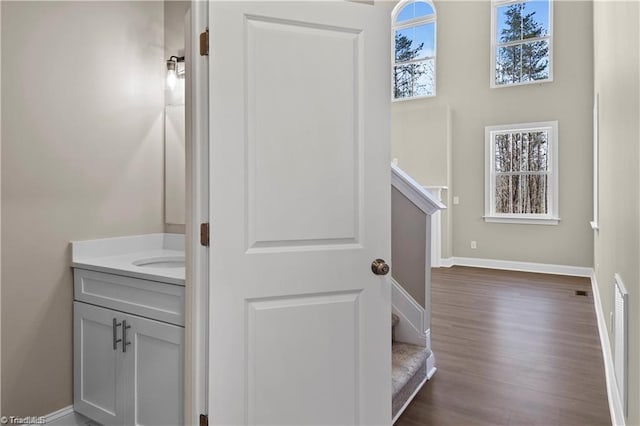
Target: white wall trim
<point>436,227</point>
<point>406,404</point>
<point>615,402</point>
<point>197,272</point>
<point>543,268</point>
<point>446,262</point>
<point>66,411</point>
<point>431,366</point>
<point>431,360</point>
<point>411,328</point>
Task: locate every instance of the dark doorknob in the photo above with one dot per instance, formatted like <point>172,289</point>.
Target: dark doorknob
<point>380,267</point>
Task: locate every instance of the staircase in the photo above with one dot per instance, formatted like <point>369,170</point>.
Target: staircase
<point>408,372</point>
<point>413,362</point>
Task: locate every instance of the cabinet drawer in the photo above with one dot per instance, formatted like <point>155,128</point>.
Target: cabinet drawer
<point>150,299</point>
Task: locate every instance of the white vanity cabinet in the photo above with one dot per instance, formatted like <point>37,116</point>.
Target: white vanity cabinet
<point>128,359</point>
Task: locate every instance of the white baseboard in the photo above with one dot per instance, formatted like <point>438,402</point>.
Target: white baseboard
<point>53,416</point>
<point>446,262</point>
<point>406,404</point>
<point>431,366</point>
<point>615,402</point>
<point>543,268</point>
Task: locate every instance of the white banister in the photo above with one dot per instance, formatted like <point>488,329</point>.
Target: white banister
<point>436,227</point>
<point>411,189</point>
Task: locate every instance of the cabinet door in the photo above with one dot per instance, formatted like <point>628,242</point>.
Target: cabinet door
<point>97,384</point>
<point>153,372</point>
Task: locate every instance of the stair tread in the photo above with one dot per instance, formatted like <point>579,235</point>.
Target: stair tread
<point>406,361</point>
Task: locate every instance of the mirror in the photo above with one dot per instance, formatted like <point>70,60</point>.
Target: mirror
<point>174,118</point>
<point>174,164</point>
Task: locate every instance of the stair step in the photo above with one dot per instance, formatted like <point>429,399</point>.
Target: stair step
<point>408,371</point>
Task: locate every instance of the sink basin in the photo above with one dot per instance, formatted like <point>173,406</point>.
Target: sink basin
<point>161,262</point>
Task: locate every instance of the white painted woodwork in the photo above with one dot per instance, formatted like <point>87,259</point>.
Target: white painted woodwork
<point>197,256</point>
<point>98,387</point>
<point>412,327</point>
<point>153,373</point>
<point>436,227</point>
<point>142,386</point>
<point>151,299</point>
<point>414,191</point>
<point>299,329</point>
<point>616,405</point>
<point>620,337</point>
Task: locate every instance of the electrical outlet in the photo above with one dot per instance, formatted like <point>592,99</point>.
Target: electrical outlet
<point>456,200</point>
<point>474,245</point>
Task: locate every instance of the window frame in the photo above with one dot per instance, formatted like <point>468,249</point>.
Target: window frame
<point>552,217</point>
<point>432,18</point>
<point>495,4</point>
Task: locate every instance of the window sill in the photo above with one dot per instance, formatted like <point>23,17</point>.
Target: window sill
<point>412,98</point>
<point>495,85</point>
<point>523,220</point>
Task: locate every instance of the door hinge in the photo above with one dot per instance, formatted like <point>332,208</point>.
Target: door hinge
<point>204,420</point>
<point>204,234</point>
<point>204,43</point>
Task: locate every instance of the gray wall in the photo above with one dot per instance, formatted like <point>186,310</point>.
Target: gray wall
<point>463,34</point>
<point>421,141</point>
<point>81,158</point>
<point>617,243</point>
<point>408,246</point>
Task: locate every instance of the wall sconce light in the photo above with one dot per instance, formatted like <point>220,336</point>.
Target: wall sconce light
<point>174,71</point>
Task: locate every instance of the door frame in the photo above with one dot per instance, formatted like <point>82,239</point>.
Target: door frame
<point>197,211</point>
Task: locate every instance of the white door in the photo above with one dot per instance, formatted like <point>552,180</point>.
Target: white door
<point>299,200</point>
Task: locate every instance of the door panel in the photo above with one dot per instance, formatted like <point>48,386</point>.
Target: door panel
<point>299,204</point>
<point>284,341</point>
<point>153,369</point>
<point>97,383</point>
<point>305,67</point>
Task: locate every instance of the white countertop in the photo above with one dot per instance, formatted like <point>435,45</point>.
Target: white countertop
<point>117,256</point>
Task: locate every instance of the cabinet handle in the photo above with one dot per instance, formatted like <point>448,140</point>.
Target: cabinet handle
<point>125,343</point>
<point>116,324</point>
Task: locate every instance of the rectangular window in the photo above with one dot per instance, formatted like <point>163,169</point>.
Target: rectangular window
<point>522,173</point>
<point>521,42</point>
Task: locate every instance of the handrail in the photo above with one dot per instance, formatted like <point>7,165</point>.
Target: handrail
<point>414,191</point>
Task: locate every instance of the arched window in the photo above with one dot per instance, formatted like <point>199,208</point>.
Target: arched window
<point>414,50</point>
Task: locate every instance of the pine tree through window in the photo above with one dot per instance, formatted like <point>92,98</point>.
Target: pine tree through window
<point>521,42</point>
<point>414,51</point>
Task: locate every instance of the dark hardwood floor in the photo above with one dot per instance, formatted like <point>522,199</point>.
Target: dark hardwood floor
<point>511,348</point>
